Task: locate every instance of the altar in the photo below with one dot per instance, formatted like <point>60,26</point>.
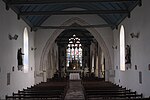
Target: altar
<point>74,71</point>
<point>74,74</point>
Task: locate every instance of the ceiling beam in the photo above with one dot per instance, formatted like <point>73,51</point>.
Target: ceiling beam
<point>81,37</point>
<point>18,2</point>
<point>66,42</point>
<point>41,13</point>
<point>72,27</point>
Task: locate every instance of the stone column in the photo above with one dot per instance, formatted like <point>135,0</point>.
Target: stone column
<point>96,69</point>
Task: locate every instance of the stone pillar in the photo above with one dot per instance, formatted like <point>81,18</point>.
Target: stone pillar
<point>96,69</point>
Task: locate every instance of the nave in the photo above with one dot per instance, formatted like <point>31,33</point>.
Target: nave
<point>105,38</point>
<point>84,89</point>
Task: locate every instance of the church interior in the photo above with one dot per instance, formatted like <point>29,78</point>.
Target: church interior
<point>74,50</point>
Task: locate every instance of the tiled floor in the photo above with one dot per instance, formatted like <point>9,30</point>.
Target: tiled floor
<point>75,91</point>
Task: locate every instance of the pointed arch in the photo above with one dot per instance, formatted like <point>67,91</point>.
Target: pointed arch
<point>93,31</point>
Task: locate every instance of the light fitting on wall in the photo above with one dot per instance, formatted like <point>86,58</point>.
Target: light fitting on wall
<point>134,35</point>
<point>114,47</point>
<point>33,48</point>
<point>15,37</point>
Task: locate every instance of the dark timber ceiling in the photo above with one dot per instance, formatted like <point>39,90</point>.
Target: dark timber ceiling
<point>35,12</point>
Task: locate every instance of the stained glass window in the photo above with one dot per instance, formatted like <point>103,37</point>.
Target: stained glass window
<point>74,51</point>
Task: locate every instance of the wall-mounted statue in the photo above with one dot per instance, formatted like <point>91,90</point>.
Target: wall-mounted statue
<point>20,59</point>
<point>128,54</point>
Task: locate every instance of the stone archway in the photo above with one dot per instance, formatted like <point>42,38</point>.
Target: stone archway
<point>93,31</point>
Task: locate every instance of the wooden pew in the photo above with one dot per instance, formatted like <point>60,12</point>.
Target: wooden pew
<point>54,90</point>
<point>99,90</point>
<point>121,99</point>
<point>49,97</point>
<point>116,96</point>
<point>40,91</point>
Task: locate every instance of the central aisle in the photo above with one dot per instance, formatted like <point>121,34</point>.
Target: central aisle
<point>75,91</point>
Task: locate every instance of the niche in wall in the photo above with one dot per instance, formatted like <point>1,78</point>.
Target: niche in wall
<point>13,68</point>
<point>140,77</point>
<point>135,67</point>
<point>116,67</point>
<point>8,78</point>
<point>149,67</point>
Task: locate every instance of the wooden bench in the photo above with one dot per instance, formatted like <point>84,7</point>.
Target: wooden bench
<point>101,90</point>
<point>49,97</point>
<point>54,90</point>
<point>120,99</point>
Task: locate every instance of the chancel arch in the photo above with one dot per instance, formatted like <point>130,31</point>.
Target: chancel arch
<point>94,32</point>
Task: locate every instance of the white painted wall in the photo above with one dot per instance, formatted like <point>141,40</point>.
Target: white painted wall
<point>42,36</point>
<point>52,61</point>
<point>8,53</point>
<point>139,22</point>
<point>140,48</point>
